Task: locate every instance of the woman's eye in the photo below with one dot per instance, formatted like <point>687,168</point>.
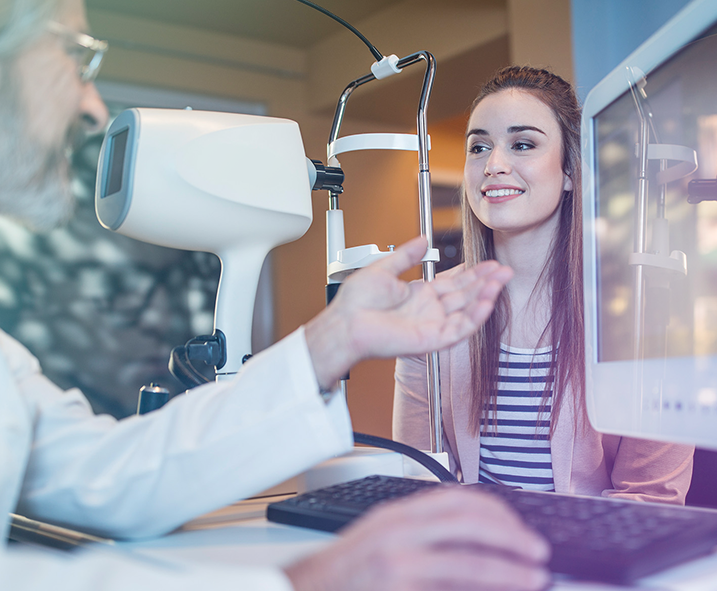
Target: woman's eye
<point>477,149</point>
<point>523,146</point>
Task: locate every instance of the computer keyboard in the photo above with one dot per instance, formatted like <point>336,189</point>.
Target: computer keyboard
<point>599,539</point>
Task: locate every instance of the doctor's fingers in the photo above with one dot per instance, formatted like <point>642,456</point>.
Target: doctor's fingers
<point>468,278</point>
<point>458,290</point>
<point>377,286</point>
<point>465,568</point>
<point>458,325</point>
<point>470,299</point>
<point>452,516</point>
<point>361,566</point>
<point>429,541</point>
<point>404,257</point>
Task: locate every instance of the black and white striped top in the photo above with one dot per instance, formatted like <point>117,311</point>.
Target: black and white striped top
<point>517,453</point>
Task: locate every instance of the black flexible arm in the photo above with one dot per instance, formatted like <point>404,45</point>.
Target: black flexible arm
<point>425,460</point>
<point>375,52</point>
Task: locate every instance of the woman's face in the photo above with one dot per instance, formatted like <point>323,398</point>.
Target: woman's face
<point>513,173</point>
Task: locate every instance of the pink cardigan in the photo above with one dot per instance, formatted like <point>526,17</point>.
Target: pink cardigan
<point>584,461</point>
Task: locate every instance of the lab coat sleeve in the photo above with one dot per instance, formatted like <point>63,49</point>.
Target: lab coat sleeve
<point>30,569</point>
<point>146,475</point>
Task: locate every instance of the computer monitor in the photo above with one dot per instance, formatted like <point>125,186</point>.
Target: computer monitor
<point>650,237</point>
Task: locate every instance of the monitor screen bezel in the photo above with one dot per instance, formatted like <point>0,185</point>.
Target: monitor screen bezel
<point>688,25</point>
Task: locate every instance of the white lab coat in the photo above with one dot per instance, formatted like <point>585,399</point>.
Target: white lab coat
<point>144,476</point>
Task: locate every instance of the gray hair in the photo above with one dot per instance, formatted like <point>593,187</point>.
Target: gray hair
<point>22,22</point>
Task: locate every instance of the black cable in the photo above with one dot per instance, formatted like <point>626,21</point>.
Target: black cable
<point>376,53</point>
<point>425,460</point>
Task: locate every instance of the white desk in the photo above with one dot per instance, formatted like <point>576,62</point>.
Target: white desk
<point>257,542</point>
<point>254,542</point>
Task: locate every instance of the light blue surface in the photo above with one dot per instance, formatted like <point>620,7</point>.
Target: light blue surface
<point>606,31</point>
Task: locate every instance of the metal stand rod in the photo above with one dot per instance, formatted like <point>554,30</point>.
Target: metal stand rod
<point>640,246</point>
<point>425,211</point>
<point>640,243</point>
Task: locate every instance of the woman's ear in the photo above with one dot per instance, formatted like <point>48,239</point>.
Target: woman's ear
<point>567,183</point>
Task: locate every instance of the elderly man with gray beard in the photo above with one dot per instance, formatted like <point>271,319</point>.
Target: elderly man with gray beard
<point>144,476</point>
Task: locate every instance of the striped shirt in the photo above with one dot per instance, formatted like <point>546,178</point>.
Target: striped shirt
<point>517,452</point>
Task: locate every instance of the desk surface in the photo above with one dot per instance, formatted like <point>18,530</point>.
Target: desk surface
<point>231,537</point>
<point>254,542</point>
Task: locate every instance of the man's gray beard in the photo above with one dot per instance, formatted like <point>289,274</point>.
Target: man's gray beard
<point>35,187</point>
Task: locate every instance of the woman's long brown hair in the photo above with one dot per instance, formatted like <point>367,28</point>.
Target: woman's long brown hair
<point>563,272</point>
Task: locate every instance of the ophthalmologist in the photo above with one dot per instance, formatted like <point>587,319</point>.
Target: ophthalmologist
<point>144,476</point>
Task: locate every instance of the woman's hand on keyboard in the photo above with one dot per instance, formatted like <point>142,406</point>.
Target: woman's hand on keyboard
<point>444,539</point>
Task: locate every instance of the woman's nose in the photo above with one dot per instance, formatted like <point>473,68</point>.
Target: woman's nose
<point>497,163</point>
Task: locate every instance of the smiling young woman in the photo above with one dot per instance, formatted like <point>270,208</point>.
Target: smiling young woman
<point>513,172</point>
<point>513,395</point>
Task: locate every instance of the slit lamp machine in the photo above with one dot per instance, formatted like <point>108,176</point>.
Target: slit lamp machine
<point>240,185</point>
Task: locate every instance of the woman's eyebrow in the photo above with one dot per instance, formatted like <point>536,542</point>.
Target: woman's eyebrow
<point>511,129</point>
<point>519,128</point>
<point>471,132</point>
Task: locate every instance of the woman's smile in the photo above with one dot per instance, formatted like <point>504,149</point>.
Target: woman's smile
<point>499,193</point>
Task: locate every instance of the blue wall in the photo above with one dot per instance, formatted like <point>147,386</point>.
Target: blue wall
<point>606,31</point>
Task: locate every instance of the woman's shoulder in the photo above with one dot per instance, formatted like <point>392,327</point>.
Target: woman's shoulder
<point>457,354</point>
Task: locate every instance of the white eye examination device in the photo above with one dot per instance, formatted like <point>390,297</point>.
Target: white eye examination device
<point>234,185</point>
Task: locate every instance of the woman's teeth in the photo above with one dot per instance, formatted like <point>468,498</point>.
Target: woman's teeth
<point>503,192</point>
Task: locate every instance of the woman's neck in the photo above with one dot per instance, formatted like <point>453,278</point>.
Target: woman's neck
<point>526,253</point>
<point>528,292</point>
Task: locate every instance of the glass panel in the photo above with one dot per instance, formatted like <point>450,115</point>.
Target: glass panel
<point>678,104</point>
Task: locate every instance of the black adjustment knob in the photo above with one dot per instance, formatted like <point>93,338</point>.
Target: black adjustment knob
<point>328,178</point>
<point>151,398</point>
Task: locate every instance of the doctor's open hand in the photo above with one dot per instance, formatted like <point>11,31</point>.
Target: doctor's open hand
<point>375,314</point>
<point>451,538</point>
